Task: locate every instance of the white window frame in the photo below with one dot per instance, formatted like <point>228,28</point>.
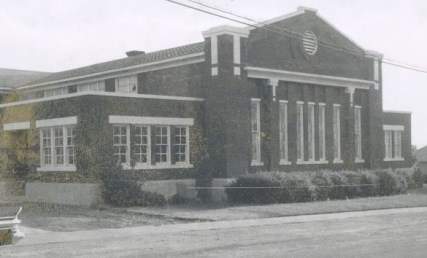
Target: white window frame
<point>336,113</point>
<point>151,147</point>
<point>311,132</point>
<point>147,145</point>
<point>358,133</point>
<point>186,144</point>
<point>300,132</point>
<point>127,144</point>
<point>53,166</point>
<point>393,142</point>
<point>55,92</point>
<point>92,86</point>
<point>168,145</point>
<point>322,133</point>
<point>283,130</point>
<point>129,85</point>
<point>256,133</point>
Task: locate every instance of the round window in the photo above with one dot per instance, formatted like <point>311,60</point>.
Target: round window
<point>309,42</point>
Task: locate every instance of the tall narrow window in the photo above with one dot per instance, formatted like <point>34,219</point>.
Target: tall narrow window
<point>256,132</point>
<point>337,133</point>
<point>393,142</point>
<point>397,144</point>
<point>142,145</point>
<point>121,143</point>
<point>322,155</point>
<point>46,157</point>
<point>71,155</point>
<point>181,145</point>
<point>358,132</point>
<point>311,139</point>
<point>162,144</point>
<point>300,131</point>
<point>283,120</point>
<point>388,137</point>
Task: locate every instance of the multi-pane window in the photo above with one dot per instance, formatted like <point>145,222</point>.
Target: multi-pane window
<point>28,96</point>
<point>127,84</point>
<point>142,144</point>
<point>55,92</point>
<point>397,144</point>
<point>256,132</point>
<point>121,143</point>
<point>92,86</point>
<point>388,137</point>
<point>358,132</point>
<point>181,144</point>
<point>300,131</point>
<point>311,139</point>
<point>393,143</point>
<point>57,146</point>
<point>322,144</point>
<point>162,144</point>
<point>283,120</point>
<point>151,145</point>
<point>337,132</point>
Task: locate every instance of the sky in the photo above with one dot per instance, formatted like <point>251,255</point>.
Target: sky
<point>52,35</point>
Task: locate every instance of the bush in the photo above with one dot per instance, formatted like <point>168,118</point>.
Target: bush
<point>254,189</point>
<point>322,185</point>
<point>124,190</point>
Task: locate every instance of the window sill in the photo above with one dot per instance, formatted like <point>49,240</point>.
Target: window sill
<point>359,161</point>
<point>284,162</point>
<point>338,161</point>
<point>257,163</point>
<point>311,162</point>
<point>394,159</point>
<point>55,169</point>
<point>161,166</point>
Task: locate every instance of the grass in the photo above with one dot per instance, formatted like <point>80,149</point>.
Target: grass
<point>72,218</point>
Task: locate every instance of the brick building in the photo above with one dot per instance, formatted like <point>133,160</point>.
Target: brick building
<point>292,93</point>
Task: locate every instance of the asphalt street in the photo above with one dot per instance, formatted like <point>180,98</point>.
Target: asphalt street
<point>394,233</point>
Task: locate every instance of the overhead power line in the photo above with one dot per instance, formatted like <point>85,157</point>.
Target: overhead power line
<point>298,36</point>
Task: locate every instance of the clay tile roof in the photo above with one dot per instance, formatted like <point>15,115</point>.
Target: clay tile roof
<point>123,63</point>
<point>10,78</point>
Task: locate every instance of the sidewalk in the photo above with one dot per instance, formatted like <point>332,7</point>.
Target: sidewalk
<point>205,213</point>
<point>37,237</point>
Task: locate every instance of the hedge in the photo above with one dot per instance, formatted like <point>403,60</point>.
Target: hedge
<point>288,187</point>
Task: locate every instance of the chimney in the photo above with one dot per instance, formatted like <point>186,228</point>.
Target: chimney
<point>134,53</point>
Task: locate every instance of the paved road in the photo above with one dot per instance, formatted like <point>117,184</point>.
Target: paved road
<point>363,234</point>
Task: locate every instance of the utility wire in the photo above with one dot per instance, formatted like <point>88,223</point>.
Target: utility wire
<point>330,45</point>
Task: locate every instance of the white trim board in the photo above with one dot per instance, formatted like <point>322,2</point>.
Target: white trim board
<point>147,120</point>
<point>147,67</point>
<point>394,127</point>
<point>71,120</point>
<point>264,73</point>
<point>397,112</point>
<point>111,94</point>
<point>16,126</point>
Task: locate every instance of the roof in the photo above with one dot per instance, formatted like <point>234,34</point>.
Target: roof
<point>127,62</point>
<point>11,78</point>
<point>421,154</point>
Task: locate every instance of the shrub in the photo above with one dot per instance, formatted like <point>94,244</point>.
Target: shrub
<point>388,183</point>
<point>124,190</point>
<point>370,184</point>
<point>254,189</point>
<point>296,187</point>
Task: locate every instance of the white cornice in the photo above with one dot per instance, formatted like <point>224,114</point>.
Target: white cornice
<point>226,29</point>
<point>16,126</point>
<point>394,127</point>
<point>264,73</point>
<point>72,120</point>
<point>162,64</point>
<point>147,120</point>
<point>397,112</point>
<point>110,94</point>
